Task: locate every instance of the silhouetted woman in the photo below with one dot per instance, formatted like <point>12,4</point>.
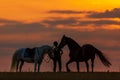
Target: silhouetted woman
<point>57,56</point>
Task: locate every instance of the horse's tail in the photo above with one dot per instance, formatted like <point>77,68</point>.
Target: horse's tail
<point>102,57</point>
<point>14,62</point>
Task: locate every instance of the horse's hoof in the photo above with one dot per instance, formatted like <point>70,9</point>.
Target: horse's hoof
<point>68,70</point>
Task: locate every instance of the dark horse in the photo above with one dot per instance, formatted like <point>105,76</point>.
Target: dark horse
<point>82,54</point>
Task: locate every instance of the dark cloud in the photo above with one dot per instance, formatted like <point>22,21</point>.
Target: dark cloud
<point>67,12</point>
<point>18,28</point>
<point>99,22</point>
<point>55,22</point>
<point>77,22</point>
<point>115,13</point>
<point>5,21</point>
<point>12,27</point>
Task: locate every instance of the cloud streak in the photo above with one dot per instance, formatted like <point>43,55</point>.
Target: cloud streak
<point>67,12</point>
<point>77,22</point>
<point>62,21</point>
<point>13,27</point>
<point>99,22</point>
<point>4,22</point>
<point>115,13</point>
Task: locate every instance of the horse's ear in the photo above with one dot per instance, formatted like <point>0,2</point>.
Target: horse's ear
<point>64,35</point>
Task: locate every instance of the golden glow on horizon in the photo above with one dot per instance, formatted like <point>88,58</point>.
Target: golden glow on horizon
<point>112,27</point>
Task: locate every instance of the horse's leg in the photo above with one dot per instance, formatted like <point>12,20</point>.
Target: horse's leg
<point>54,63</point>
<point>87,65</point>
<point>77,66</point>
<point>38,67</point>
<point>92,61</point>
<point>17,66</point>
<point>70,61</point>
<point>39,63</point>
<point>35,66</point>
<point>22,62</point>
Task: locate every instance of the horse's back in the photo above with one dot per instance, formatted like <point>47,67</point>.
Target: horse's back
<point>88,50</point>
<point>88,47</point>
<point>23,54</point>
<point>20,52</point>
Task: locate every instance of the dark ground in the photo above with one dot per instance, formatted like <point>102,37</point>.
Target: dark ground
<point>60,76</point>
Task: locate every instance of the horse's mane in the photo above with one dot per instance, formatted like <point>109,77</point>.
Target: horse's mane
<point>73,42</point>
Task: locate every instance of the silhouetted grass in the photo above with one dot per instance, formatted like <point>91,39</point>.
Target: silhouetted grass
<point>59,76</point>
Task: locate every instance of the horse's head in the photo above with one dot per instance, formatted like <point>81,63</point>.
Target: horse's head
<point>63,42</point>
<point>51,53</point>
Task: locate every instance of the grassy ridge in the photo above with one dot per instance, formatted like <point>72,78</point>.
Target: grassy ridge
<point>59,76</point>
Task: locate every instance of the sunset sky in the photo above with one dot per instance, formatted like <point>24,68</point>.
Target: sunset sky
<point>31,23</point>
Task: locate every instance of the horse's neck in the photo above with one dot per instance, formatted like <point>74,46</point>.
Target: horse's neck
<point>42,51</point>
<point>73,45</point>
